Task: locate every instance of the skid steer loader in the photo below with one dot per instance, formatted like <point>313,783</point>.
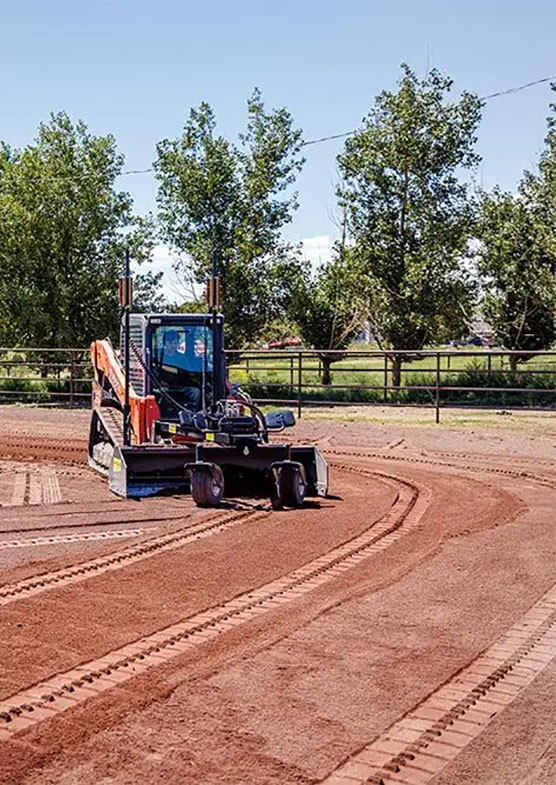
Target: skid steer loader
<point>165,418</point>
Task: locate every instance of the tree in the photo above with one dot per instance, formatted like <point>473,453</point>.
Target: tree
<point>323,309</point>
<point>215,195</point>
<point>517,257</point>
<point>63,232</point>
<point>409,216</point>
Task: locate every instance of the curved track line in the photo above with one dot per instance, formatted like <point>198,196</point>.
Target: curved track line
<point>33,448</point>
<point>67,689</point>
<point>114,561</point>
<point>517,474</point>
<point>89,524</point>
<point>418,746</point>
<point>84,537</point>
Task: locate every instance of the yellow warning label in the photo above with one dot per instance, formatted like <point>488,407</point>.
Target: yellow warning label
<point>209,437</point>
<point>172,428</point>
<point>116,464</point>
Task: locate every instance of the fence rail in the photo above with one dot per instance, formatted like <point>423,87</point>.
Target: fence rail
<point>298,378</point>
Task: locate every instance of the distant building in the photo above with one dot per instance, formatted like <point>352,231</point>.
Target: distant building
<point>481,333</point>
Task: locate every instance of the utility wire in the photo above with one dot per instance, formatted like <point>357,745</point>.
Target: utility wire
<point>508,91</point>
<point>518,89</point>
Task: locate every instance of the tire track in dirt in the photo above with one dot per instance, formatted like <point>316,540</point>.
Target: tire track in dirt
<point>25,448</point>
<point>417,747</point>
<point>476,469</point>
<point>58,516</point>
<point>36,485</point>
<point>82,571</point>
<point>68,538</point>
<point>68,689</point>
<point>78,685</point>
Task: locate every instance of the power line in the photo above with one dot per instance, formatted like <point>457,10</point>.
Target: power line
<point>327,138</point>
<point>518,89</point>
<point>508,91</point>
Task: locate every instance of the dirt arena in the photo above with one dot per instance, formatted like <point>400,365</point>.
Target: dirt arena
<point>402,630</point>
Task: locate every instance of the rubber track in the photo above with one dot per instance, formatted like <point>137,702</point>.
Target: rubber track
<point>65,690</point>
<point>417,747</point>
<point>114,561</point>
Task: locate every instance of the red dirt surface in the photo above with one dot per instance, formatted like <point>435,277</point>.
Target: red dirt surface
<point>294,694</point>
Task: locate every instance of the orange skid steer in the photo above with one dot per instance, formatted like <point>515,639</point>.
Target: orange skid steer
<point>173,422</point>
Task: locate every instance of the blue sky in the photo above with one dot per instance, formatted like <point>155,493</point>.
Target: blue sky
<point>135,69</point>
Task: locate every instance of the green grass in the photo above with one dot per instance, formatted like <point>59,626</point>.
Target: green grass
<point>354,377</point>
<point>541,423</point>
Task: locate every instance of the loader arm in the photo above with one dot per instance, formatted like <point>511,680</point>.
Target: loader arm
<point>109,390</point>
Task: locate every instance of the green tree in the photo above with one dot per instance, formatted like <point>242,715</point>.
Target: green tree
<point>234,199</point>
<point>324,311</point>
<point>517,262</point>
<point>517,257</point>
<point>63,232</point>
<point>409,216</point>
<point>539,187</point>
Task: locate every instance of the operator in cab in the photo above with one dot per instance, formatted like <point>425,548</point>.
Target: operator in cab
<point>181,367</point>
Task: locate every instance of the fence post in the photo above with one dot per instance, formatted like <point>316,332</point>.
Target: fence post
<point>299,382</point>
<point>437,397</point>
<point>72,371</point>
<point>291,375</point>
<point>385,391</point>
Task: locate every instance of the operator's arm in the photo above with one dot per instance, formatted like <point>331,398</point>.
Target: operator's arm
<point>175,375</point>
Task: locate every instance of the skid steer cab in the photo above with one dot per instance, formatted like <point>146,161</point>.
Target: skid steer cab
<point>187,429</point>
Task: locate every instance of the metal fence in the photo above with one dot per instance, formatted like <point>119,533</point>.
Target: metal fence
<point>298,378</point>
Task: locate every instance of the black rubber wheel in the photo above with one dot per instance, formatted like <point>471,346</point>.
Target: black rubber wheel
<point>207,486</point>
<point>290,487</point>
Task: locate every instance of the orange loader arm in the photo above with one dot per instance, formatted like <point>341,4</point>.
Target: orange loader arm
<point>143,409</point>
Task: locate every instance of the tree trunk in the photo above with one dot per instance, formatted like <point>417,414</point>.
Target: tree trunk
<point>396,370</point>
<point>513,358</point>
<point>326,375</point>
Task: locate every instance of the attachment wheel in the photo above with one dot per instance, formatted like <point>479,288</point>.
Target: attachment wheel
<point>207,485</point>
<point>289,485</point>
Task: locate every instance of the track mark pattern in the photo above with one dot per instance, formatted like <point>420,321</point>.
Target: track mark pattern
<point>34,486</point>
<point>68,451</point>
<point>132,553</point>
<point>519,474</point>
<point>417,747</point>
<point>65,690</point>
<point>18,492</point>
<point>50,486</point>
<point>63,538</point>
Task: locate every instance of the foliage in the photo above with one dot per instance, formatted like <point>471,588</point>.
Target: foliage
<point>63,232</point>
<point>408,214</point>
<point>517,258</point>
<point>323,309</point>
<point>215,195</point>
<point>517,263</point>
<point>189,306</point>
<point>518,255</point>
